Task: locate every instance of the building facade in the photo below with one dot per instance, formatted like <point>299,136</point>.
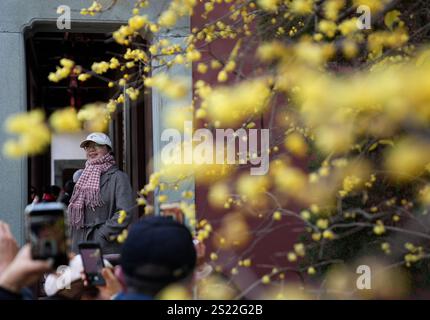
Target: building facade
<point>29,45</point>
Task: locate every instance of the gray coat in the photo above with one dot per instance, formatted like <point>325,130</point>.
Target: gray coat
<point>101,225</point>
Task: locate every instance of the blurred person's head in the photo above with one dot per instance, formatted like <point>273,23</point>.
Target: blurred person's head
<point>77,174</point>
<point>68,187</point>
<point>158,252</point>
<point>55,191</point>
<point>96,145</point>
<point>51,194</point>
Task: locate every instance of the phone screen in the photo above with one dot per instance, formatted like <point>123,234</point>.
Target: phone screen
<point>47,235</point>
<point>93,264</point>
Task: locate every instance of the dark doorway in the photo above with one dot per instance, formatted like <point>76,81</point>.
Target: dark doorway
<point>131,131</point>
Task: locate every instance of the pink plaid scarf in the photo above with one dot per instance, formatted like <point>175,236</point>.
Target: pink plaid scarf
<point>87,189</point>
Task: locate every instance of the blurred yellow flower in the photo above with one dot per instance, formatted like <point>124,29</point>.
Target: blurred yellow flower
<point>301,7</point>
<point>174,292</point>
<point>296,144</point>
<point>268,5</point>
<point>65,120</point>
<point>100,67</point>
<point>277,215</point>
<point>407,159</point>
<point>174,88</point>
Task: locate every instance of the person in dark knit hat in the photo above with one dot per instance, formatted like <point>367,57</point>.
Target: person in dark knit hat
<point>158,252</point>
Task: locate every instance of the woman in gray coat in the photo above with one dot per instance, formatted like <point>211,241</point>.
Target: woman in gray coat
<point>99,196</point>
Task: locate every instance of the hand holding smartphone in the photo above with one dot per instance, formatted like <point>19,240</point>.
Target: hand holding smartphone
<point>46,230</point>
<point>92,259</point>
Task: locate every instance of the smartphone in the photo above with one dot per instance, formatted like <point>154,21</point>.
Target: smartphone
<point>172,210</point>
<point>47,232</point>
<point>92,260</point>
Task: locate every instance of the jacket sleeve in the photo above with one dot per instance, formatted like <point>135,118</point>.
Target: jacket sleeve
<point>9,295</point>
<point>124,200</point>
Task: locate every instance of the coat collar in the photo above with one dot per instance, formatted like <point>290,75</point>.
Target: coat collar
<point>105,176</point>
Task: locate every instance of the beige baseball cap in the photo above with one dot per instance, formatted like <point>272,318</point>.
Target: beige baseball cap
<point>97,137</point>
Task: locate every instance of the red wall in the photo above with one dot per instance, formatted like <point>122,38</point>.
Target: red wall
<point>268,248</point>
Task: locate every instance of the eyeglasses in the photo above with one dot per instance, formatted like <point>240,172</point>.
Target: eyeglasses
<point>93,146</point>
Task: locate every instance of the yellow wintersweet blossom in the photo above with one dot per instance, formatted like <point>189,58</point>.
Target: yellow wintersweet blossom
<point>215,288</point>
<point>300,250</point>
<point>288,180</point>
<point>379,228</point>
<point>122,215</point>
<point>316,236</point>
<point>291,257</point>
<point>328,234</point>
<point>334,139</point>
<point>391,18</point>
<point>33,134</point>
<point>348,26</point>
<point>312,53</point>
<point>141,201</point>
<point>332,8</point>
<point>176,9</point>
<point>95,117</point>
<point>322,223</point>
<point>135,55</point>
<point>84,77</point>
<point>174,88</point>
<point>252,186</point>
<point>193,54</point>
<point>62,72</point>
<point>407,159</point>
<point>218,194</point>
<point>296,144</point>
<point>122,236</point>
<point>349,49</point>
<point>202,68</point>
<point>174,292</point>
<point>222,76</point>
<point>100,67</point>
<point>265,279</point>
<point>215,64</point>
<point>230,105</point>
<point>311,271</point>
<point>67,63</point>
<point>65,120</point>
<point>137,22</point>
<point>277,216</point>
<point>167,19</point>
<point>268,5</point>
<point>177,116</point>
<point>122,34</point>
<point>270,51</point>
<point>301,7</point>
<point>162,198</point>
<point>292,291</point>
<point>132,93</point>
<point>114,63</point>
<point>350,183</point>
<point>327,27</point>
<point>305,214</point>
<point>233,233</point>
<point>93,9</point>
<point>111,106</point>
<point>247,263</point>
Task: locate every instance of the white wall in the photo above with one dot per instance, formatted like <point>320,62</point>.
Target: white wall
<point>66,147</point>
